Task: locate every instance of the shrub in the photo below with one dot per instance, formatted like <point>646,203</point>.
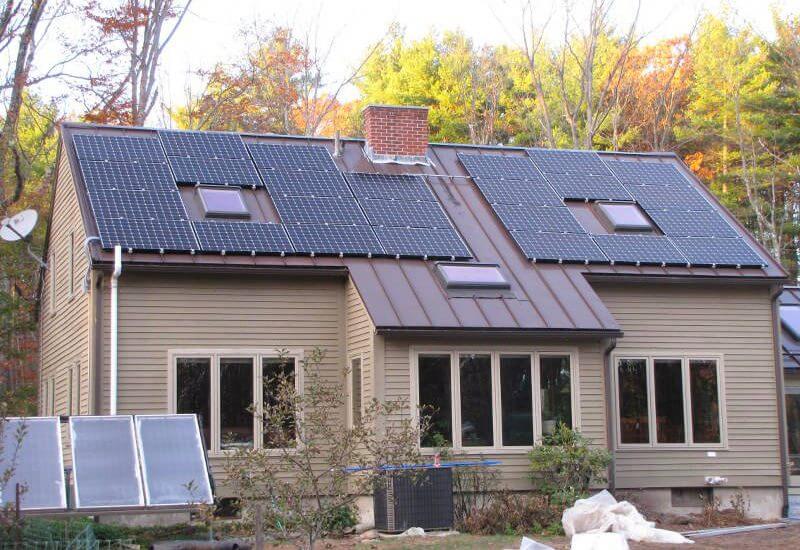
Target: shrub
<point>509,513</point>
<point>565,465</point>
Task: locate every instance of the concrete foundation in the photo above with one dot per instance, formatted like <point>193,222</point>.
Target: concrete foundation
<point>153,519</point>
<point>764,503</point>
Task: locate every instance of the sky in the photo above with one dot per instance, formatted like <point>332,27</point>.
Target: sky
<point>209,33</point>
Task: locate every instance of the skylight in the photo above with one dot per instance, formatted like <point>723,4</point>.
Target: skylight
<point>223,203</point>
<point>465,275</point>
<point>625,216</point>
<point>790,319</point>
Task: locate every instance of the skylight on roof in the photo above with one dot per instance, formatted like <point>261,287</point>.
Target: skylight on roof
<point>790,319</point>
<point>223,203</point>
<point>479,276</point>
<point>625,216</point>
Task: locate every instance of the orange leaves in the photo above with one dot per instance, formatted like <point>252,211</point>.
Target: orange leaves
<point>695,161</point>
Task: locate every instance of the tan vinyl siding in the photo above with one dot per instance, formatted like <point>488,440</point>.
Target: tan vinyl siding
<point>360,337</point>
<point>64,311</point>
<point>735,322</point>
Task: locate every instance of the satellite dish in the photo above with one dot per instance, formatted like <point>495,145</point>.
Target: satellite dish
<point>19,226</point>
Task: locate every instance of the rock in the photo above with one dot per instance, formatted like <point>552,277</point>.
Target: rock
<point>370,534</point>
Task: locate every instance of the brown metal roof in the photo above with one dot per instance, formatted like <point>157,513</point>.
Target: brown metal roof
<point>406,294</point>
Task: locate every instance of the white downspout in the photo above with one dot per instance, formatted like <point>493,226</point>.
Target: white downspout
<point>114,331</point>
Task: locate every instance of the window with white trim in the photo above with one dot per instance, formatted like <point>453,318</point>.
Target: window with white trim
<point>227,390</point>
<point>492,399</point>
<point>53,296</point>
<point>71,265</point>
<point>669,400</point>
<point>355,393</point>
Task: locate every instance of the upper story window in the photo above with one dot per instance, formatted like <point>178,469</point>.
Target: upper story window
<point>790,319</point>
<point>223,202</point>
<point>472,276</point>
<point>625,216</point>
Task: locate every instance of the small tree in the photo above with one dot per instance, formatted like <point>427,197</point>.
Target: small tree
<point>565,465</point>
<point>302,479</point>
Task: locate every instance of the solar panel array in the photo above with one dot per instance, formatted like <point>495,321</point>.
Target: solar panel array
<point>528,194</point>
<point>243,237</point>
<point>210,158</point>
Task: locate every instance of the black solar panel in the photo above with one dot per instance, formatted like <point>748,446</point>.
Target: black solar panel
<point>717,251</point>
<point>214,171</point>
<point>499,191</point>
<point>421,242</point>
<point>118,148</point>
<point>551,219</point>
<point>203,145</point>
<point>683,223</point>
<point>583,186</point>
<point>565,247</point>
<point>356,240</point>
<point>554,161</point>
<point>123,175</point>
<point>500,166</point>
<point>141,205</point>
<point>399,213</point>
<point>270,156</point>
<point>661,197</point>
<point>646,173</point>
<point>242,237</point>
<point>385,186</point>
<point>639,249</point>
<point>282,183</point>
<point>341,211</point>
<point>147,235</point>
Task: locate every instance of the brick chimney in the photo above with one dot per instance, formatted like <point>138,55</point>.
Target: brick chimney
<point>396,133</point>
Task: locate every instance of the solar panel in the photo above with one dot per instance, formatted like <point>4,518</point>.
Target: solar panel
<point>203,145</point>
<point>354,240</point>
<point>683,223</point>
<point>136,204</point>
<point>565,247</point>
<point>583,186</point>
<point>105,463</point>
<point>554,161</point>
<point>242,237</point>
<point>422,242</point>
<point>155,235</point>
<point>660,197</point>
<point>30,453</point>
<point>344,211</point>
<point>214,171</point>
<point>173,460</point>
<point>499,191</point>
<point>717,251</point>
<point>512,167</point>
<point>639,249</point>
<point>119,175</point>
<point>386,186</point>
<point>271,156</point>
<point>646,173</point>
<point>400,213</point>
<point>118,148</point>
<point>551,219</point>
<point>283,183</point>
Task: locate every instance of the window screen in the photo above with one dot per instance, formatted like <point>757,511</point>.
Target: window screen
<point>705,401</point>
<point>193,391</point>
<point>556,392</point>
<point>516,400</point>
<point>278,376</point>
<point>355,390</point>
<point>476,400</point>
<point>633,408</point>
<point>435,399</point>
<point>668,381</point>
<point>463,275</point>
<point>625,216</point>
<point>235,402</point>
<point>223,203</point>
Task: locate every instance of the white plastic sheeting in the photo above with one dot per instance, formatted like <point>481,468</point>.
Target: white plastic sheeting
<point>599,541</point>
<point>602,513</point>
<point>530,544</point>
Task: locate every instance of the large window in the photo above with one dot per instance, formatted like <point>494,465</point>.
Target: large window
<point>668,401</point>
<point>493,399</point>
<point>225,390</point>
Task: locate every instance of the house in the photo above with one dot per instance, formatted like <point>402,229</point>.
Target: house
<point>790,348</point>
<point>506,288</point>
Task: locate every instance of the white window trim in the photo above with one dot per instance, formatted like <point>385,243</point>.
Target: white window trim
<point>349,382</point>
<point>215,354</point>
<point>71,266</point>
<point>685,358</point>
<point>495,352</point>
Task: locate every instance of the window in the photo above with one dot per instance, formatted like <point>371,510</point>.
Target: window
<point>465,275</point>
<point>488,399</point>
<point>225,390</point>
<point>355,391</point>
<point>71,265</point>
<point>278,376</point>
<point>790,319</point>
<point>793,428</point>
<point>669,401</point>
<point>223,203</point>
<point>623,216</point>
<point>52,266</point>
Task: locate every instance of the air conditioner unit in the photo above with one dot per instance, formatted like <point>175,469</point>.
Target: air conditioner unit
<point>414,498</point>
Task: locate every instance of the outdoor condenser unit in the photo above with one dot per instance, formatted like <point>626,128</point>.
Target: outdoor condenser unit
<point>414,498</point>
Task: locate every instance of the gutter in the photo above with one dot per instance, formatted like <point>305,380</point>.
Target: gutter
<point>114,326</point>
<point>779,392</point>
<point>611,432</point>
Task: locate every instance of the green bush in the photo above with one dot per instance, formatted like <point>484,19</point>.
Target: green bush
<point>565,465</point>
<point>340,520</point>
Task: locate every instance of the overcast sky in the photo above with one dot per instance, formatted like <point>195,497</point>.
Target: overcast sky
<point>209,32</point>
